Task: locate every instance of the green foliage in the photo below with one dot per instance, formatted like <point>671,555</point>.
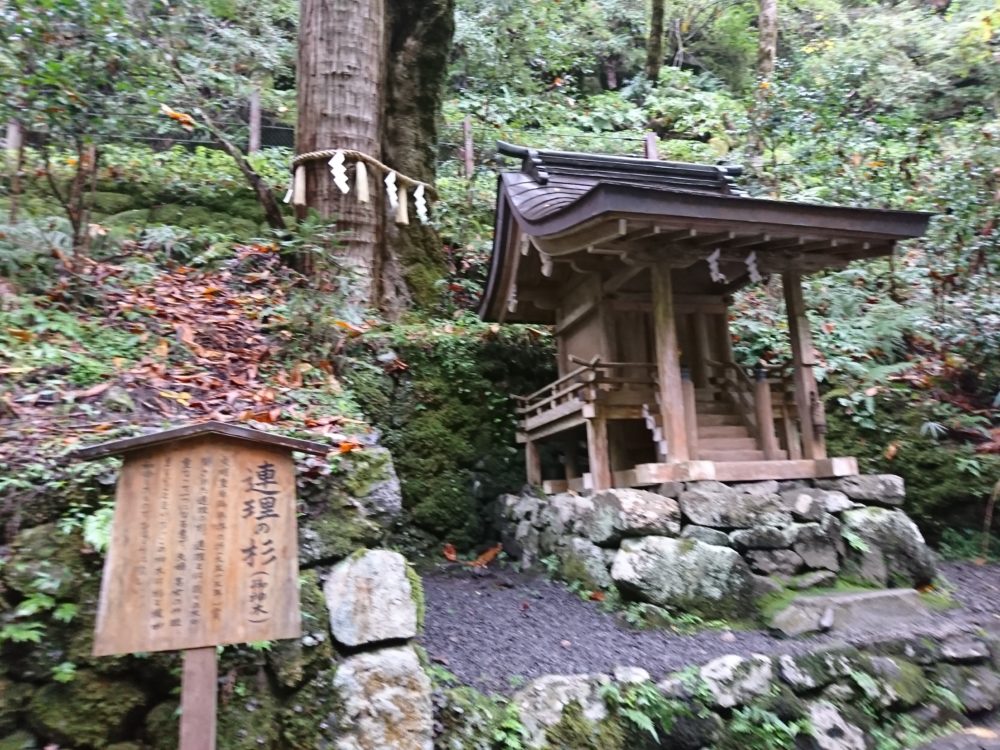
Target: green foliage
<point>440,393</point>
<point>756,728</point>
<point>507,732</point>
<point>645,708</point>
<point>966,544</point>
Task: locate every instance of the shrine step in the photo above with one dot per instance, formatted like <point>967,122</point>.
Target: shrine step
<point>722,431</point>
<point>740,443</point>
<point>718,420</point>
<point>741,455</point>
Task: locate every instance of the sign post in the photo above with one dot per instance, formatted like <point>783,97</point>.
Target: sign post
<point>203,552</point>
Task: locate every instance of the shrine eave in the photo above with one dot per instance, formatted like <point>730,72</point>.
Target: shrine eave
<point>569,217</point>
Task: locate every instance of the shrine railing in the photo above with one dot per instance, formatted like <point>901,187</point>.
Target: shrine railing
<point>587,383</point>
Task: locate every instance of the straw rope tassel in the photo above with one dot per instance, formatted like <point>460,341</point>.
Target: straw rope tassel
<point>361,182</point>
<point>299,189</point>
<point>402,209</point>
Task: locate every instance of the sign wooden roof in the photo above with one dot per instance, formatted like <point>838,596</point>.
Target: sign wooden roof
<point>565,213</point>
<point>239,432</point>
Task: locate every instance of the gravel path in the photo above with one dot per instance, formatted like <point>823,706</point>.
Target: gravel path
<point>498,629</point>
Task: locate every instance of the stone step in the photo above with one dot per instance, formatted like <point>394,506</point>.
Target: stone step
<point>740,443</point>
<point>871,610</point>
<point>717,420</point>
<point>730,455</point>
<point>722,431</point>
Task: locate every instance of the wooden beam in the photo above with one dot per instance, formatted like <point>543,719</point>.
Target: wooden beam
<point>668,364</point>
<point>808,403</point>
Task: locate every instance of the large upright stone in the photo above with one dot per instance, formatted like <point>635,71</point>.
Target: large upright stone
<point>622,513</point>
<point>718,506</point>
<point>831,730</point>
<point>370,599</point>
<point>886,545</point>
<point>387,701</point>
<point>882,489</point>
<point>685,574</point>
<point>735,681</point>
<point>541,703</point>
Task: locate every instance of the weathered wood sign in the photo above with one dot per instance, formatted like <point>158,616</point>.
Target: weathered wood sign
<point>203,549</point>
<point>203,552</point>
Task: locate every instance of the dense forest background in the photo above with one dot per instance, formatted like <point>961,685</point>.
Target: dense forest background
<point>130,190</point>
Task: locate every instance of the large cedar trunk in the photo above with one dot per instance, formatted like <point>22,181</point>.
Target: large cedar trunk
<point>420,34</point>
<point>340,84</point>
<point>767,46</point>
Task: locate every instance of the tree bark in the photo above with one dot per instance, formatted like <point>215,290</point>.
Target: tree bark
<point>253,144</point>
<point>340,84</point>
<point>15,155</point>
<point>654,43</point>
<point>767,44</point>
<point>419,41</point>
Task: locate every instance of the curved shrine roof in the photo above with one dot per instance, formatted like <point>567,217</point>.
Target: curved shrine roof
<point>591,213</point>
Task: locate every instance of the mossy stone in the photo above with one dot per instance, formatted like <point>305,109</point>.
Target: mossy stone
<point>103,202</point>
<point>310,717</point>
<point>18,741</point>
<point>332,531</point>
<point>13,698</point>
<point>246,720</point>
<point>45,559</point>
<point>92,711</point>
<point>466,719</point>
<point>136,217</point>
<point>162,726</point>
<point>575,732</point>
<point>295,660</point>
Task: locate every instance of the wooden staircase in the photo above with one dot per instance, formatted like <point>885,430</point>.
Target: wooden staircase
<point>723,436</point>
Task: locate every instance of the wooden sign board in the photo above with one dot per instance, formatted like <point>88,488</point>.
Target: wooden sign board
<point>203,548</point>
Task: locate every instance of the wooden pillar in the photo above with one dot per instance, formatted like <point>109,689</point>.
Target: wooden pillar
<point>668,365</point>
<point>600,458</point>
<point>807,401</point>
<point>690,416</point>
<point>702,351</point>
<point>199,688</point>
<point>533,463</point>
<point>570,461</point>
<point>254,144</point>
<point>765,414</point>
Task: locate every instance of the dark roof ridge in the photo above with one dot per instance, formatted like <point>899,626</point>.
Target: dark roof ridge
<point>540,163</point>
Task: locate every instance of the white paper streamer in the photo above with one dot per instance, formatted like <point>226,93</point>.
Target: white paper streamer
<point>390,190</point>
<point>339,171</point>
<point>713,267</point>
<point>420,203</point>
<point>752,269</point>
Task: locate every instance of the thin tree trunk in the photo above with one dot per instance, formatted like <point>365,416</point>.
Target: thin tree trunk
<point>15,147</point>
<point>254,144</point>
<point>340,81</point>
<point>272,211</point>
<point>767,44</point>
<point>654,43</point>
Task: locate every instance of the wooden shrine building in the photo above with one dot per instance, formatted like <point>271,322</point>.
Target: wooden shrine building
<point>633,262</point>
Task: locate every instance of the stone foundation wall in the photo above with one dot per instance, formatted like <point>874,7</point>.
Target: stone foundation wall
<point>714,548</point>
<point>893,694</point>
